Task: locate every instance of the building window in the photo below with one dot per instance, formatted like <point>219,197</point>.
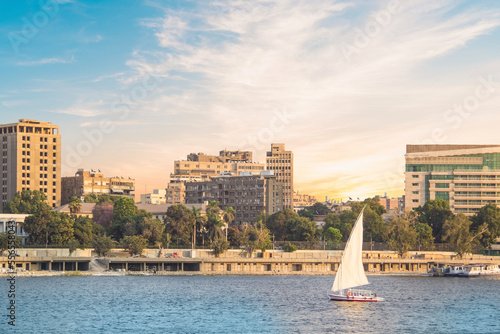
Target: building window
<point>415,201</point>
<point>414,192</point>
<point>415,176</point>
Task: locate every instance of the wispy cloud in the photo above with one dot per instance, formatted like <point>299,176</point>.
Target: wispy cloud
<point>108,76</point>
<point>12,103</point>
<point>229,67</point>
<point>45,61</point>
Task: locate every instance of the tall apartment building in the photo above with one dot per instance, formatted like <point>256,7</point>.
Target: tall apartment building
<point>199,166</point>
<point>281,162</point>
<point>31,160</point>
<point>467,176</point>
<point>85,183</point>
<point>249,195</point>
<point>176,191</point>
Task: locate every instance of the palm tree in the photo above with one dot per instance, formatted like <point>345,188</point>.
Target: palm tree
<point>74,205</point>
<point>213,207</point>
<point>199,224</point>
<point>228,216</point>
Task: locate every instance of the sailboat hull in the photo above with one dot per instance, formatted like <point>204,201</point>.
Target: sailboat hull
<point>354,298</point>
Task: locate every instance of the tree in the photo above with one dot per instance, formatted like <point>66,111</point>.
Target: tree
<point>90,198</point>
<point>301,229</point>
<point>307,214</point>
<point>102,245</point>
<point>74,205</point>
<point>124,207</point>
<point>199,225</point>
<point>124,211</point>
<point>234,236</point>
<point>456,231</point>
<point>343,222</point>
<point>134,244</point>
<point>424,236</point>
<point>180,223</point>
<point>254,238</point>
<point>228,215</point>
<point>290,248</point>
<point>213,207</point>
<point>85,231</point>
<point>152,230</point>
<point>434,213</point>
<point>5,243</point>
<point>49,227</point>
<point>219,246</point>
<point>102,214</point>
<point>489,215</point>
<point>371,203</point>
<point>73,245</point>
<point>402,236</point>
<point>27,202</point>
<point>332,234</point>
<point>318,209</point>
<point>276,223</point>
<point>61,230</point>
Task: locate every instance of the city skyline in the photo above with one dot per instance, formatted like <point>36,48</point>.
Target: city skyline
<point>345,85</point>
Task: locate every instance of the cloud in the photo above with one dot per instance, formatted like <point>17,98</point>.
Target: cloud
<point>12,103</point>
<point>238,64</point>
<point>45,61</point>
<point>109,76</point>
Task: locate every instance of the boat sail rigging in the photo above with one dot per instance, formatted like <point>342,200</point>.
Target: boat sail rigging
<point>351,272</point>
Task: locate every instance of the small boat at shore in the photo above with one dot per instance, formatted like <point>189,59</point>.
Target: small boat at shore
<point>464,270</point>
<point>351,272</point>
<point>473,270</point>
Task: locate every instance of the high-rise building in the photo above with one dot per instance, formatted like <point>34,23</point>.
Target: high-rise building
<point>281,162</point>
<point>85,183</point>
<point>31,160</point>
<point>467,176</point>
<point>248,195</point>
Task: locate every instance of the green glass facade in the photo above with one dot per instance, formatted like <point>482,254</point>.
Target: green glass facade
<point>491,160</point>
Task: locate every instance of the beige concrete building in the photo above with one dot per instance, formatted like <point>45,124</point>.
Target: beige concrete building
<point>281,162</point>
<point>31,160</point>
<point>467,176</point>
<point>248,195</point>
<point>85,183</point>
<point>303,200</point>
<point>158,196</point>
<point>176,192</point>
<point>201,167</point>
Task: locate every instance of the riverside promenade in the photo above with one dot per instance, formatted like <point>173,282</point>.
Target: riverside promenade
<point>237,262</point>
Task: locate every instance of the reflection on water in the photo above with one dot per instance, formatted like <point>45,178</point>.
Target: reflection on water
<point>274,304</point>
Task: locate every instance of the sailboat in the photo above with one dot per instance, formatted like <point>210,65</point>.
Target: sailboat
<point>351,272</point>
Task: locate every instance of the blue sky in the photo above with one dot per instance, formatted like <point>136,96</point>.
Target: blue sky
<point>345,84</point>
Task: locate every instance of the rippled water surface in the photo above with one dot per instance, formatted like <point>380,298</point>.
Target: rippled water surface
<point>248,304</point>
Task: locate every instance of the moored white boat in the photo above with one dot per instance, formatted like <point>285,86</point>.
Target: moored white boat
<point>351,272</point>
<point>472,270</point>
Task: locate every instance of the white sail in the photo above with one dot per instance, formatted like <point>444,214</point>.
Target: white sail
<point>351,272</point>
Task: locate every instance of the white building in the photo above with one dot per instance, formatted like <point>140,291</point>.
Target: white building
<point>18,219</point>
<point>159,196</point>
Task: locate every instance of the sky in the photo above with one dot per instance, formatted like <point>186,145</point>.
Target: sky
<point>346,85</point>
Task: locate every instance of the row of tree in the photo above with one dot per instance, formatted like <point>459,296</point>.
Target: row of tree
<point>117,221</point>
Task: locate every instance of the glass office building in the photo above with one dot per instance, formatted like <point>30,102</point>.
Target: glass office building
<point>467,176</point>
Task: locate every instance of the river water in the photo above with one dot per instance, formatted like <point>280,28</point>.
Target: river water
<point>249,304</point>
